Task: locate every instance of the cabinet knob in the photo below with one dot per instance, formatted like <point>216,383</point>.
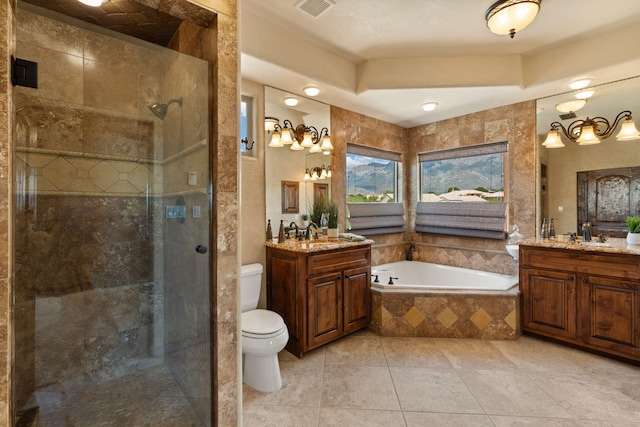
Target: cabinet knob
<point>585,280</point>
<point>570,278</point>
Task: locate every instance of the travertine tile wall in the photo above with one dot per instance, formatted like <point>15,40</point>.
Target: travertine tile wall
<point>512,123</point>
<point>349,127</point>
<point>219,47</point>
<point>7,35</point>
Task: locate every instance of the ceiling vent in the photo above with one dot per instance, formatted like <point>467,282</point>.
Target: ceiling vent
<point>568,116</point>
<point>314,7</point>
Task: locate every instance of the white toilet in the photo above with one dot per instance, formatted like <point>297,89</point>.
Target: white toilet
<point>264,335</point>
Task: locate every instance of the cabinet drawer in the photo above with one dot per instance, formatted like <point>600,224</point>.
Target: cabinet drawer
<point>603,264</point>
<point>333,261</point>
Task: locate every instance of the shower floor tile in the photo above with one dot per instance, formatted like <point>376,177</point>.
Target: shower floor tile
<point>145,398</point>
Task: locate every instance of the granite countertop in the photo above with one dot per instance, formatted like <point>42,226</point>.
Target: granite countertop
<point>612,245</point>
<point>318,245</point>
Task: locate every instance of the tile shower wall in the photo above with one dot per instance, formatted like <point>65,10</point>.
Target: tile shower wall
<point>89,216</point>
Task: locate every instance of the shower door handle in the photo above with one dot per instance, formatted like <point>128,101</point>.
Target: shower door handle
<point>201,249</point>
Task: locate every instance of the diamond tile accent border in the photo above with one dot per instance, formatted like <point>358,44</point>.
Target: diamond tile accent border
<point>488,315</point>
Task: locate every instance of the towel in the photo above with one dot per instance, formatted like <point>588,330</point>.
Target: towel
<point>351,237</point>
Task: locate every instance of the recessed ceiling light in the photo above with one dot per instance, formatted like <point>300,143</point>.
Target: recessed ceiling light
<point>580,84</point>
<point>290,101</point>
<point>585,94</point>
<point>311,90</point>
<point>93,3</point>
<point>571,106</point>
<point>429,106</point>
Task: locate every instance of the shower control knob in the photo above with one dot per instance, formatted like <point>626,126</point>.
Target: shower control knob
<point>201,249</point>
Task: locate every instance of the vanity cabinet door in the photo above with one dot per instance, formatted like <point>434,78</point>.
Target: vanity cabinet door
<point>549,302</point>
<point>357,299</point>
<point>324,309</point>
<point>609,310</point>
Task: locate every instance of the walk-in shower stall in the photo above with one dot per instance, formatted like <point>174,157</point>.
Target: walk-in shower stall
<point>111,228</point>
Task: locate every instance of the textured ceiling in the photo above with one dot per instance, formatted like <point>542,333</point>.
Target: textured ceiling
<point>154,21</point>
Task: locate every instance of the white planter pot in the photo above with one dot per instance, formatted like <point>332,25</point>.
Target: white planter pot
<point>633,239</point>
<point>332,232</point>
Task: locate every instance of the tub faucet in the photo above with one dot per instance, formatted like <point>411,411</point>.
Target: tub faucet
<point>391,280</point>
<point>410,252</point>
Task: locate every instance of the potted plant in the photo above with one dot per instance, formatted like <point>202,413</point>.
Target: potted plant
<point>633,223</point>
<point>305,220</point>
<point>316,209</point>
<point>332,219</point>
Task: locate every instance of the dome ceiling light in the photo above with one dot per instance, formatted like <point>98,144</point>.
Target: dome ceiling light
<point>311,90</point>
<point>571,106</point>
<point>511,16</point>
<point>429,106</point>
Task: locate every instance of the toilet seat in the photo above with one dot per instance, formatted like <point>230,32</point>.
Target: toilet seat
<point>262,324</point>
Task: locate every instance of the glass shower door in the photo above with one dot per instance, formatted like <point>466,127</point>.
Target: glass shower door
<point>113,304</point>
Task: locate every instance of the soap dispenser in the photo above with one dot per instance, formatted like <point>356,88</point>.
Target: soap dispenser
<point>515,237</point>
<point>269,231</point>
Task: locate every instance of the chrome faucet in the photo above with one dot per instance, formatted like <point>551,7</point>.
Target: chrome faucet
<point>293,224</point>
<point>311,224</point>
<point>410,252</point>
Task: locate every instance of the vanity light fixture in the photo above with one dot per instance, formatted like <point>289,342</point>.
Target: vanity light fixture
<point>311,90</point>
<point>510,16</point>
<point>93,3</point>
<point>316,173</point>
<point>299,137</point>
<point>591,131</point>
<point>429,106</point>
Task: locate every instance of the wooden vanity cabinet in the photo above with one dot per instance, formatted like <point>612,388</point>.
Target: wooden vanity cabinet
<point>322,296</point>
<point>589,299</point>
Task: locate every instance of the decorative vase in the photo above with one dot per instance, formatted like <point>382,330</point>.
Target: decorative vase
<point>332,232</point>
<point>633,239</point>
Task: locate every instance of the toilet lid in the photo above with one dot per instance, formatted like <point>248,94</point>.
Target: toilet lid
<point>261,322</point>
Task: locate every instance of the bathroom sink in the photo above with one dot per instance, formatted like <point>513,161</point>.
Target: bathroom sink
<point>598,244</point>
<point>514,251</point>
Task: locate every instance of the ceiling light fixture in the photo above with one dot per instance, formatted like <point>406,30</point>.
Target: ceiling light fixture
<point>311,90</point>
<point>93,3</point>
<point>571,106</point>
<point>429,106</point>
<point>580,84</point>
<point>299,137</point>
<point>590,131</point>
<point>511,16</point>
<point>291,101</point>
<point>585,94</point>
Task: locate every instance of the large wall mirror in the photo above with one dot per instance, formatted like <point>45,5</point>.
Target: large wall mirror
<point>590,182</point>
<point>282,165</point>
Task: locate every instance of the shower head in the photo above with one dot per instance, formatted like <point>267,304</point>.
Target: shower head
<point>160,108</point>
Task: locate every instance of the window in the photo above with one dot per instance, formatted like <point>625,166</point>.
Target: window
<point>373,176</point>
<point>463,175</point>
<point>247,137</point>
<point>462,191</point>
<point>373,190</point>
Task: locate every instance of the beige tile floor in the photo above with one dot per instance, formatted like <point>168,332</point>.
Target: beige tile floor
<point>366,380</point>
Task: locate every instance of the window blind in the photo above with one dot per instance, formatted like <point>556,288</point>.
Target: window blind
<point>470,219</point>
<point>376,218</point>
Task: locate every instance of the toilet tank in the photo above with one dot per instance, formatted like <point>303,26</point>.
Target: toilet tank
<point>250,283</point>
